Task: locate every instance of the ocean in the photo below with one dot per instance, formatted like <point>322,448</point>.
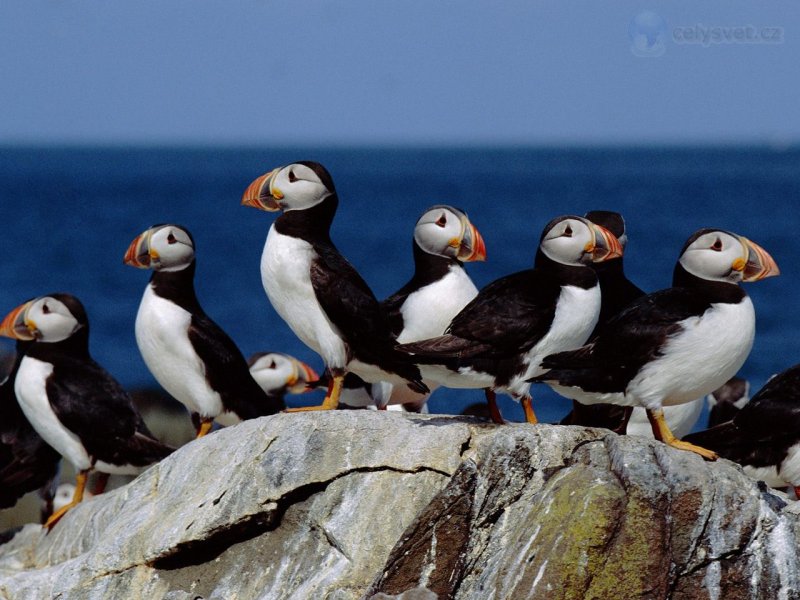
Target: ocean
<point>70,214</point>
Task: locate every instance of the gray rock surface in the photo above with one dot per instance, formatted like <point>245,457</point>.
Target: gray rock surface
<point>359,504</point>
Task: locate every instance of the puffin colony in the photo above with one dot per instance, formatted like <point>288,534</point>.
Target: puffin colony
<point>633,362</point>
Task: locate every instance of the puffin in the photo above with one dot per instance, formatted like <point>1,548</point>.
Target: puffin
<point>444,239</point>
<point>764,436</point>
<point>27,462</point>
<point>677,344</point>
<point>74,404</point>
<point>498,340</point>
<point>315,290</point>
<point>189,355</point>
<point>724,403</point>
<point>279,374</point>
<point>616,292</point>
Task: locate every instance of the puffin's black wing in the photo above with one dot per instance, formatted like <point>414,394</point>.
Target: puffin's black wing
<point>93,405</point>
<point>766,427</point>
<point>626,342</point>
<point>227,372</point>
<point>507,317</point>
<point>391,308</point>
<point>27,462</point>
<point>347,299</point>
<point>352,307</point>
<point>774,408</point>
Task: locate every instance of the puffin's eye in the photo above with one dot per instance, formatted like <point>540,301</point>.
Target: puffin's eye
<point>717,245</point>
<point>442,221</point>
<point>292,177</point>
<point>45,309</point>
<point>171,238</point>
<point>272,365</point>
<point>568,231</point>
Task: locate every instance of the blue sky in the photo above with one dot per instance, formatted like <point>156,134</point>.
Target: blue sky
<point>411,72</point>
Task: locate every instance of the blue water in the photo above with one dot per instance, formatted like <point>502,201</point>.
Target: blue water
<point>69,215</point>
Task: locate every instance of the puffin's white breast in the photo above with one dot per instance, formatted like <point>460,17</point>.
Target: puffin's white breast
<point>707,352</point>
<point>429,310</point>
<point>694,362</point>
<point>789,470</point>
<point>286,276</point>
<point>769,475</point>
<point>31,391</point>
<point>162,334</point>
<point>577,311</point>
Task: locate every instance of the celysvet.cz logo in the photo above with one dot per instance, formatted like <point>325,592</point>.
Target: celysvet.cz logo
<point>649,34</point>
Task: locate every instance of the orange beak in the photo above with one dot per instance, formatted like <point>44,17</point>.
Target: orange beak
<point>16,325</point>
<point>606,245</point>
<point>305,375</point>
<point>472,245</point>
<point>138,253</point>
<point>259,194</point>
<point>759,263</point>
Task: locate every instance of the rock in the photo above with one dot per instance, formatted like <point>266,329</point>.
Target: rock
<point>360,504</point>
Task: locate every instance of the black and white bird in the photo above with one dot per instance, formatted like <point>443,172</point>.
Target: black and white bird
<point>189,354</point>
<point>73,403</point>
<point>616,292</point>
<point>319,294</point>
<point>27,462</point>
<point>725,402</point>
<point>764,436</point>
<point>498,340</point>
<point>279,374</point>
<point>675,345</point>
<point>444,239</point>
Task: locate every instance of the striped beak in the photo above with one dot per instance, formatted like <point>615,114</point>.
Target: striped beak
<point>139,253</point>
<point>759,264</point>
<point>472,246</point>
<point>301,378</point>
<point>17,326</point>
<point>262,194</point>
<point>606,246</point>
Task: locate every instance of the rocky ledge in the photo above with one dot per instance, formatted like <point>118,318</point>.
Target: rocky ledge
<point>358,504</point>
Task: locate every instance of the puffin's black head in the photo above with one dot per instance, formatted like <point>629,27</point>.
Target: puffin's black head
<point>50,319</point>
<point>612,221</point>
<point>722,256</point>
<point>165,247</point>
<point>298,186</point>
<point>446,231</point>
<point>575,241</point>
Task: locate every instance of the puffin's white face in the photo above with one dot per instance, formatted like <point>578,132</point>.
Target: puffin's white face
<point>161,248</point>
<point>577,241</point>
<point>717,255</point>
<point>294,187</point>
<point>45,319</point>
<point>64,494</point>
<point>446,231</point>
<point>275,372</point>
